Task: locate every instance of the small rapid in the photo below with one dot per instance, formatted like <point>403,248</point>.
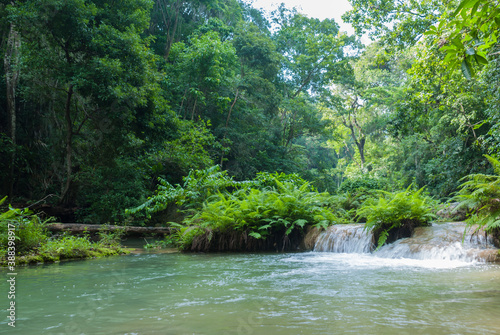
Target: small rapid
<point>348,238</point>
<point>444,242</point>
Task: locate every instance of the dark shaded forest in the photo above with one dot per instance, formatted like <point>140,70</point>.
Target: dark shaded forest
<point>102,101</point>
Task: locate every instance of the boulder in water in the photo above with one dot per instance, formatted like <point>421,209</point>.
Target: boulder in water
<point>452,212</point>
<point>310,238</point>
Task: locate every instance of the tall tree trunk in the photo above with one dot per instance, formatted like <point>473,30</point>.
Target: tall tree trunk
<point>170,27</point>
<point>360,142</point>
<point>361,148</point>
<point>11,62</point>
<point>172,31</point>
<point>69,146</point>
<point>194,108</point>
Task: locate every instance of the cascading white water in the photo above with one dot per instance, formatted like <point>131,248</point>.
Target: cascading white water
<point>444,242</point>
<point>348,238</point>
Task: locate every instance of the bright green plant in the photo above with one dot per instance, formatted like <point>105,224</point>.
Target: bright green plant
<point>267,179</point>
<point>480,194</point>
<point>33,244</point>
<point>69,247</point>
<point>111,238</point>
<point>260,212</point>
<point>198,186</point>
<point>352,193</point>
<point>391,211</point>
<point>29,230</point>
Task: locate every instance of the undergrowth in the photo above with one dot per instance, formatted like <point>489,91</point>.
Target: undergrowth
<point>272,204</point>
<point>395,214</point>
<point>479,194</point>
<point>260,212</point>
<point>197,186</point>
<point>25,239</point>
<point>277,207</point>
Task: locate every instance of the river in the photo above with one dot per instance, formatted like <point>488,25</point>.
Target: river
<point>291,293</point>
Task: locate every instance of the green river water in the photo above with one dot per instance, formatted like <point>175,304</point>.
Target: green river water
<point>294,293</point>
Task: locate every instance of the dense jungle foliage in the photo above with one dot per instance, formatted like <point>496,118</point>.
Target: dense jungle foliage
<point>119,111</point>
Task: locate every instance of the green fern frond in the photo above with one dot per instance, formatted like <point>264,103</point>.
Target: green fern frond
<point>480,194</point>
<point>392,210</point>
<point>495,163</point>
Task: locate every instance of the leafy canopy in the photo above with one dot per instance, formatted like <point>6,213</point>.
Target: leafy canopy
<point>468,34</point>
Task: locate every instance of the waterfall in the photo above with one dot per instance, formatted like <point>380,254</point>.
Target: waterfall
<point>347,238</point>
<point>444,241</point>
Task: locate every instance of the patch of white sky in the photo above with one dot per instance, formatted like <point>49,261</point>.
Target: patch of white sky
<point>320,9</point>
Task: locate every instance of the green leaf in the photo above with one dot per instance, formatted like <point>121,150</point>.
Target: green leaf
<point>479,125</point>
<point>470,51</point>
<point>459,8</point>
<point>255,235</point>
<point>481,60</point>
<point>466,70</point>
<point>474,9</point>
<point>456,41</point>
<point>300,222</point>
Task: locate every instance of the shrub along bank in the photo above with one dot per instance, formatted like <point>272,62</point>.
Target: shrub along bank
<point>272,218</point>
<point>267,213</point>
<point>480,196</point>
<point>24,234</point>
<point>272,211</point>
<point>395,215</point>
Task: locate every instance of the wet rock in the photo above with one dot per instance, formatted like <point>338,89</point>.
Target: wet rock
<point>452,212</point>
<point>310,239</point>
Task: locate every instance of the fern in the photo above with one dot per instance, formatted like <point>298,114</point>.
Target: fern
<point>198,186</point>
<point>281,209</point>
<point>393,210</point>
<point>480,195</point>
<point>268,205</point>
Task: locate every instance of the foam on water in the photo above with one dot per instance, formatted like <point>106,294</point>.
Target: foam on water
<point>437,246</point>
<point>373,261</point>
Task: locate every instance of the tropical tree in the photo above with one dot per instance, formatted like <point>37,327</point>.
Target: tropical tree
<point>399,23</point>
<point>469,35</point>
<point>88,61</point>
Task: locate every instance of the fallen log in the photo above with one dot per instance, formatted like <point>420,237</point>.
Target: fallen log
<point>95,228</point>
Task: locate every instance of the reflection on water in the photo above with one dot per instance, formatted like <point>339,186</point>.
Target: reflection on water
<point>306,293</point>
